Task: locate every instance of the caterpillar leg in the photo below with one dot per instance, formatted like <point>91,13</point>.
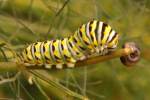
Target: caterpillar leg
<point>59,66</point>
<point>28,64</point>
<point>83,57</point>
<point>48,66</point>
<point>30,80</point>
<point>70,65</point>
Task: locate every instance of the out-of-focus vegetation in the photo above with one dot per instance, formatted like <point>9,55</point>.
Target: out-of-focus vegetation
<point>26,21</point>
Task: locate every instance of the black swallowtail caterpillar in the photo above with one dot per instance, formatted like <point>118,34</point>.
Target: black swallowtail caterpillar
<point>92,38</point>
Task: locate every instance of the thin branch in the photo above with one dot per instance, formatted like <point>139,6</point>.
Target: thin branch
<point>25,26</point>
<point>3,81</point>
<point>61,9</point>
<point>56,15</point>
<point>115,54</point>
<point>12,66</point>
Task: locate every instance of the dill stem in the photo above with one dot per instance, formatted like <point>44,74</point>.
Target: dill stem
<point>12,66</point>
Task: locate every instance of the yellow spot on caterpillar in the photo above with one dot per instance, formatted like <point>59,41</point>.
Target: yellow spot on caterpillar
<point>106,34</point>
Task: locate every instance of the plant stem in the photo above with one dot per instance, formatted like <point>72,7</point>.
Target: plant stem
<point>12,66</point>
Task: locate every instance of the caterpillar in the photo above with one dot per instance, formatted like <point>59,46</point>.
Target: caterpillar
<point>93,38</point>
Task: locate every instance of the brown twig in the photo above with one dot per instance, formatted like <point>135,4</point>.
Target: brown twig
<point>12,66</point>
<point>98,59</point>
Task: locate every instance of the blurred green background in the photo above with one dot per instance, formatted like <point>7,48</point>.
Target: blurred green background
<point>27,21</point>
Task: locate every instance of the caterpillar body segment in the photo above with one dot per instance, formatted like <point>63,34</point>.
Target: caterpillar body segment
<point>93,38</point>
